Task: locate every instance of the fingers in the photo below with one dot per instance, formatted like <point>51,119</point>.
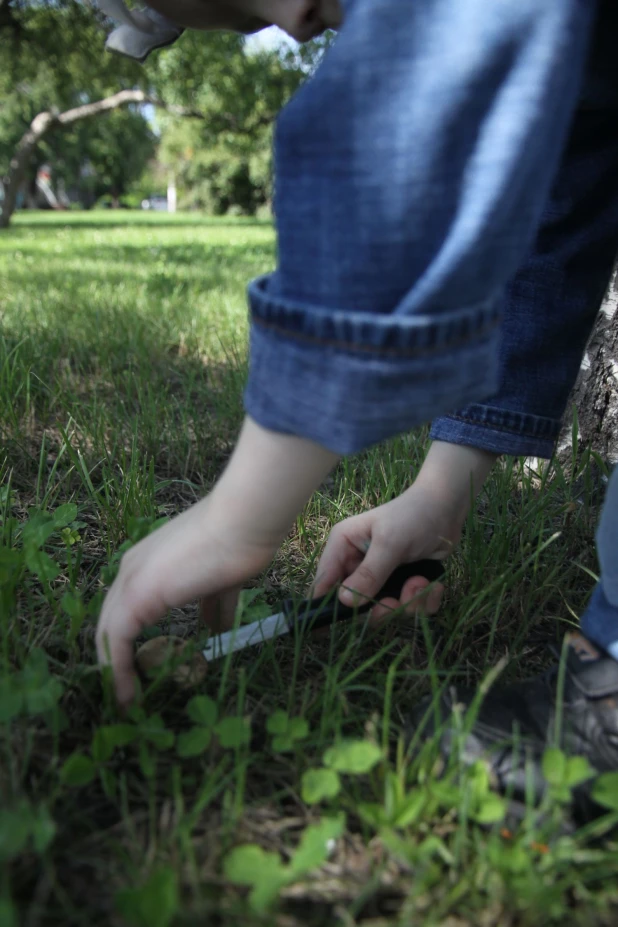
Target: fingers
<point>370,575</point>
<point>218,611</point>
<point>341,556</point>
<point>116,650</point>
<point>417,595</point>
<point>118,627</point>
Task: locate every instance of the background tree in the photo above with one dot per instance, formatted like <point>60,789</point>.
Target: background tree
<point>52,60</point>
<point>224,161</point>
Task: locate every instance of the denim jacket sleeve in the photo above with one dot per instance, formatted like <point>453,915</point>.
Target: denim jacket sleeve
<point>411,172</point>
<point>551,305</point>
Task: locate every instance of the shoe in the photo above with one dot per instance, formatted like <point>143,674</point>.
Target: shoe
<point>516,723</point>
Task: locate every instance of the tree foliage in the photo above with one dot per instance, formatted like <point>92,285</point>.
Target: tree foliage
<point>224,160</point>
<point>52,58</point>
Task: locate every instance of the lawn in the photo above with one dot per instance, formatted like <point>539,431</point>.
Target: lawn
<point>282,790</point>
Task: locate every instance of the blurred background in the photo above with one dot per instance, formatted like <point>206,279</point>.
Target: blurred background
<point>190,129</point>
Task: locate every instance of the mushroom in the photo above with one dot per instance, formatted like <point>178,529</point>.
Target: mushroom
<point>189,669</point>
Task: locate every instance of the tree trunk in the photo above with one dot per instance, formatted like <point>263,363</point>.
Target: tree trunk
<point>596,392</point>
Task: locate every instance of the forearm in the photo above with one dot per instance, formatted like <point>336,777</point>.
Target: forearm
<point>269,479</point>
<point>455,474</point>
<point>197,14</point>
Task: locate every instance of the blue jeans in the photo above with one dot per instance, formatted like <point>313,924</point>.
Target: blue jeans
<point>447,217</point>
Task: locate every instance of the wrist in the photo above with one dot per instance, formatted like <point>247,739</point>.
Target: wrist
<point>455,474</point>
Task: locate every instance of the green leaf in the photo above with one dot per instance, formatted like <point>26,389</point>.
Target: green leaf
<point>394,795</point>
<point>78,770</point>
<point>8,914</point>
<point>202,710</point>
<point>410,810</point>
<point>11,561</point>
<point>72,605</point>
<point>298,729</point>
<point>139,528</point>
<point>433,846</point>
<point>45,698</point>
<point>578,770</point>
<point>278,722</point>
<point>109,782</point>
<point>491,809</point>
<point>263,895</point>
<point>264,871</point>
<point>154,904</point>
<point>43,830</point>
<point>64,515</point>
<point>354,757</point>
<point>109,737</point>
<point>371,813</point>
<point>193,742</point>
<point>41,564</point>
<point>605,790</point>
<point>36,669</point>
<point>15,826</point>
<point>478,778</point>
<point>554,766</point>
<point>318,784</point>
<point>147,762</point>
<point>154,730</point>
<point>286,730</point>
<point>11,698</point>
<point>39,527</point>
<point>257,612</point>
<point>233,732</point>
<point>249,864</point>
<point>316,845</point>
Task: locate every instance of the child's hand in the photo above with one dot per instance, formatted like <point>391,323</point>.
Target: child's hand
<point>424,522</point>
<point>301,19</point>
<point>362,552</point>
<point>214,547</point>
<point>196,554</point>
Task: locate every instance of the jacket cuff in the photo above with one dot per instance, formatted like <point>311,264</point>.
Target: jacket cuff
<point>347,380</point>
<point>501,431</point>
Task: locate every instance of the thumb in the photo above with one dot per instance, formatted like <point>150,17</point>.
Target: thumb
<point>369,577</point>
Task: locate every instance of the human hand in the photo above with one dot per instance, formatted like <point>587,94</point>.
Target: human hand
<point>426,521</point>
<point>301,19</point>
<point>214,547</point>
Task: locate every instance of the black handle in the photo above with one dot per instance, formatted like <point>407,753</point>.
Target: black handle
<point>327,609</point>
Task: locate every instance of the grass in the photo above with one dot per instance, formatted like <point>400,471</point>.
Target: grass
<point>122,360</point>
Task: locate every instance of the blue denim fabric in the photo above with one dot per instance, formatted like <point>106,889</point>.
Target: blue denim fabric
<point>551,304</point>
<point>600,620</point>
<point>411,173</point>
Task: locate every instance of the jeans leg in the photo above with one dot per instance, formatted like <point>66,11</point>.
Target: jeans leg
<point>553,300</point>
<point>600,620</point>
<point>411,174</point>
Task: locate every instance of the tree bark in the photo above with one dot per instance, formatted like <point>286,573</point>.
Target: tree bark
<point>44,122</point>
<point>596,392</point>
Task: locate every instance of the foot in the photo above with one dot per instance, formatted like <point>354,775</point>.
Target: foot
<point>516,723</point>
